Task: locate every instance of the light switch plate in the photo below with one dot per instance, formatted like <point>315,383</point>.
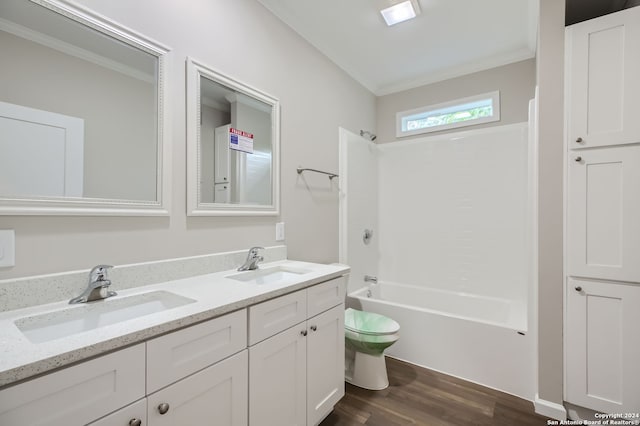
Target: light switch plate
<point>7,248</point>
<point>280,231</point>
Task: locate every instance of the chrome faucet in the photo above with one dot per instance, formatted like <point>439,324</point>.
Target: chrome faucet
<point>370,279</point>
<point>252,259</point>
<point>97,288</point>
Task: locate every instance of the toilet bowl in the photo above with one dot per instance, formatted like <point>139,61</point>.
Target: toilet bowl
<point>367,335</point>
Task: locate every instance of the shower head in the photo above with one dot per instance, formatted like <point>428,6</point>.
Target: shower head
<point>368,134</point>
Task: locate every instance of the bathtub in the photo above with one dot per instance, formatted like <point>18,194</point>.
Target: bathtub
<point>476,338</point>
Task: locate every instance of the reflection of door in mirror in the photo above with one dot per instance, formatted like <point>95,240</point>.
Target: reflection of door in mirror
<point>109,85</point>
<point>41,152</point>
<point>222,165</point>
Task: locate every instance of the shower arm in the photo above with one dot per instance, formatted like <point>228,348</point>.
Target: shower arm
<point>331,175</point>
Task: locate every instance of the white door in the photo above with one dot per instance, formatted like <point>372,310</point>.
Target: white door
<point>325,363</point>
<point>41,153</point>
<point>602,69</point>
<point>221,155</point>
<point>604,213</point>
<point>278,379</point>
<point>216,396</point>
<point>603,346</point>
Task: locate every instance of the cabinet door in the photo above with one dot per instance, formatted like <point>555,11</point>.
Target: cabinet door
<point>78,394</point>
<point>603,346</point>
<point>603,66</point>
<point>278,379</point>
<point>604,213</point>
<point>216,395</point>
<point>325,363</point>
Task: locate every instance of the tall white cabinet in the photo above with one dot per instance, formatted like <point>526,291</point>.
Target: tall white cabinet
<point>602,298</point>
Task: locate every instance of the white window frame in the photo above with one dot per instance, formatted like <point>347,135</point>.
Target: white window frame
<point>401,116</point>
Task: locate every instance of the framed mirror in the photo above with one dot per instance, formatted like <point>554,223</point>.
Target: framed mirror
<point>81,114</point>
<point>233,142</point>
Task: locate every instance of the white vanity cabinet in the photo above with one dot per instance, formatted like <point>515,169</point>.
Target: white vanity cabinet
<point>79,394</point>
<point>292,373</point>
<point>296,368</point>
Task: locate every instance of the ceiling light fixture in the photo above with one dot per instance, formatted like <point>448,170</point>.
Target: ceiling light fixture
<point>400,12</point>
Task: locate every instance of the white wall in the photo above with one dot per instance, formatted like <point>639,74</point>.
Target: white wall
<point>244,40</point>
<point>550,71</point>
<point>516,83</point>
<point>452,212</point>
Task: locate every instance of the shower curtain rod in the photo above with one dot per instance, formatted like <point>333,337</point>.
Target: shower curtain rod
<point>331,175</point>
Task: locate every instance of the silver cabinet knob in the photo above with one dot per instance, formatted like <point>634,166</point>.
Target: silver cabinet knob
<point>163,408</point>
<point>303,332</point>
<point>314,327</point>
<point>579,140</point>
<point>578,159</point>
<point>578,288</point>
<point>135,422</point>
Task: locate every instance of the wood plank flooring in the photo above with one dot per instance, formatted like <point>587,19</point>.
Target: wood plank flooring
<point>418,396</point>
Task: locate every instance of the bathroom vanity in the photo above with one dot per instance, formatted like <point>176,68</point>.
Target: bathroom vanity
<point>259,347</point>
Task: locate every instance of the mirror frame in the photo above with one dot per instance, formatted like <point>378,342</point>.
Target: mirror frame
<point>50,206</point>
<point>195,71</point>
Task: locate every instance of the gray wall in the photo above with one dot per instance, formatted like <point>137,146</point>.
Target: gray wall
<point>516,83</point>
<point>242,39</point>
<point>43,78</point>
<point>550,71</point>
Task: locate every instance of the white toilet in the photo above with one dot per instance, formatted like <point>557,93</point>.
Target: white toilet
<point>367,335</point>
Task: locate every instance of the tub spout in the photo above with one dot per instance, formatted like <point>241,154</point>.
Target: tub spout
<point>370,279</point>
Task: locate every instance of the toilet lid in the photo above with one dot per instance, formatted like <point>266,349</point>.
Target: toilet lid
<point>369,323</point>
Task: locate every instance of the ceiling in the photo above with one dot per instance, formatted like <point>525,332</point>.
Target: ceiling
<point>448,39</point>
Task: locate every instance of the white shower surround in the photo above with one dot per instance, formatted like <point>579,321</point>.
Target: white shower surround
<point>452,249</point>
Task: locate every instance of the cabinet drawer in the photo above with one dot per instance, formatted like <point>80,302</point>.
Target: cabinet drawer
<point>126,415</point>
<point>178,354</point>
<point>271,317</point>
<point>78,394</point>
<point>325,296</point>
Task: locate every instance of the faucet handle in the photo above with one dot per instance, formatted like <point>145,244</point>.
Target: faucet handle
<point>254,250</point>
<point>99,273</point>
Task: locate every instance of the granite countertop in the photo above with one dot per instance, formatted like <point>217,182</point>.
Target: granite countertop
<point>213,294</point>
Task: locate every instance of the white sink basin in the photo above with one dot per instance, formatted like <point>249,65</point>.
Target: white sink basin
<point>78,319</point>
<point>269,275</point>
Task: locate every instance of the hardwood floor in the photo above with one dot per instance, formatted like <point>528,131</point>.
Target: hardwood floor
<point>417,396</point>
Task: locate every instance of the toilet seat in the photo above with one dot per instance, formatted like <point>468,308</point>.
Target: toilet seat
<point>369,323</point>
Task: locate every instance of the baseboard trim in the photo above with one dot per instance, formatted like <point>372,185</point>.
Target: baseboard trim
<point>549,409</point>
